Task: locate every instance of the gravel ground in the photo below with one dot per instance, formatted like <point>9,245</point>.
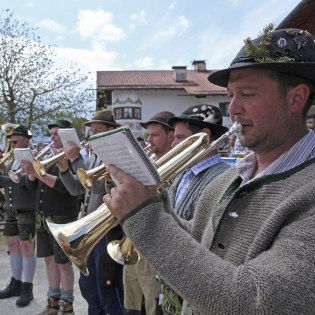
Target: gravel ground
<point>8,307</point>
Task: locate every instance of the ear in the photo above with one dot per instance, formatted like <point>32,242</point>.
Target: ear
<point>171,135</point>
<point>207,131</point>
<point>298,97</point>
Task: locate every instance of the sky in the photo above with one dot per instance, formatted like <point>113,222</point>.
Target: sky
<point>99,35</point>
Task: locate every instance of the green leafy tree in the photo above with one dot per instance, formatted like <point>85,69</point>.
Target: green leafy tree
<point>32,90</point>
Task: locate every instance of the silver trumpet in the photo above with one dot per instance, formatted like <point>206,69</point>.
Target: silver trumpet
<point>77,239</point>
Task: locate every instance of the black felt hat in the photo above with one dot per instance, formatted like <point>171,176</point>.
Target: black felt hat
<point>104,116</point>
<point>161,118</point>
<point>204,116</point>
<point>290,51</point>
<point>21,131</point>
<point>60,123</point>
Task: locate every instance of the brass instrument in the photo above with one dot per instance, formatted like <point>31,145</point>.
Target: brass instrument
<point>6,160</point>
<point>77,239</point>
<point>15,175</point>
<point>8,155</point>
<point>42,167</point>
<point>87,178</point>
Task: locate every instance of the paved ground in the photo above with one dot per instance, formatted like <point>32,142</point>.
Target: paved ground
<point>8,307</point>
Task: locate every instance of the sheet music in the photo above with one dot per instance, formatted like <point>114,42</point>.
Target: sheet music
<point>117,149</point>
<point>67,136</point>
<point>23,154</point>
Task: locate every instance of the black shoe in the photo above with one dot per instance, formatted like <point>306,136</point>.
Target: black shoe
<point>26,295</point>
<point>13,289</point>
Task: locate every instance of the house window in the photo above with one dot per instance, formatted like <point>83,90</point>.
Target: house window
<point>127,113</point>
<point>224,107</point>
<point>118,113</point>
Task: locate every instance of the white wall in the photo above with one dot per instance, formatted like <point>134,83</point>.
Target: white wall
<point>175,101</point>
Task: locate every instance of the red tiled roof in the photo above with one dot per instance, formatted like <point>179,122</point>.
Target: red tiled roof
<point>197,81</point>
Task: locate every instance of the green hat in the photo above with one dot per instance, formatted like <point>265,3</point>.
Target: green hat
<point>104,116</point>
<point>290,51</point>
<point>21,131</point>
<point>60,123</point>
<point>160,118</point>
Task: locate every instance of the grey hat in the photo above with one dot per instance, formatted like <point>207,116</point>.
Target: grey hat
<point>204,116</point>
<point>290,51</point>
<point>104,116</point>
<point>21,131</point>
<point>161,118</point>
<point>60,123</point>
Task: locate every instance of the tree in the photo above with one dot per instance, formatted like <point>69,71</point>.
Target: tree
<point>34,91</point>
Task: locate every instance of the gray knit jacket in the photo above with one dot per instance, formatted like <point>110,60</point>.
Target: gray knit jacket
<point>249,250</point>
<point>196,187</point>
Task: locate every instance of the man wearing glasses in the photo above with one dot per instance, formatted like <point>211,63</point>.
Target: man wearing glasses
<point>19,227</point>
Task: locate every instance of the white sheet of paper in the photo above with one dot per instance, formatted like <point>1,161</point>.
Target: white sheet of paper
<point>68,136</point>
<point>23,154</point>
<point>116,149</point>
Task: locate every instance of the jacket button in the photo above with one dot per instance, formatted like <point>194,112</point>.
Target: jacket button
<point>221,246</point>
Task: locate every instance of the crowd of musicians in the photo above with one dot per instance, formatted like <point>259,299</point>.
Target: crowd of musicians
<point>217,239</point>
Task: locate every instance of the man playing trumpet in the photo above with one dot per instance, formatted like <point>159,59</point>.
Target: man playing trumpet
<point>250,246</point>
<point>54,202</point>
<point>103,287</point>
<point>19,226</point>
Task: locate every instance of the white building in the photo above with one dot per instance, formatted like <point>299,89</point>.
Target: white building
<point>134,96</point>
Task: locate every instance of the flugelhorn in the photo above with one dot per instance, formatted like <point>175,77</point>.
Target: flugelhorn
<point>15,175</point>
<point>77,239</point>
<point>87,178</point>
<point>42,167</point>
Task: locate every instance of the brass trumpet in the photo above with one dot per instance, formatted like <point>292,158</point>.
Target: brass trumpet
<point>42,167</point>
<point>87,178</point>
<point>77,239</point>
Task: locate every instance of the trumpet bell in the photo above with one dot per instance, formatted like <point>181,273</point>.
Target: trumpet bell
<point>8,127</point>
<point>41,167</point>
<point>14,176</point>
<point>77,239</point>
<point>87,178</point>
<point>123,251</point>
